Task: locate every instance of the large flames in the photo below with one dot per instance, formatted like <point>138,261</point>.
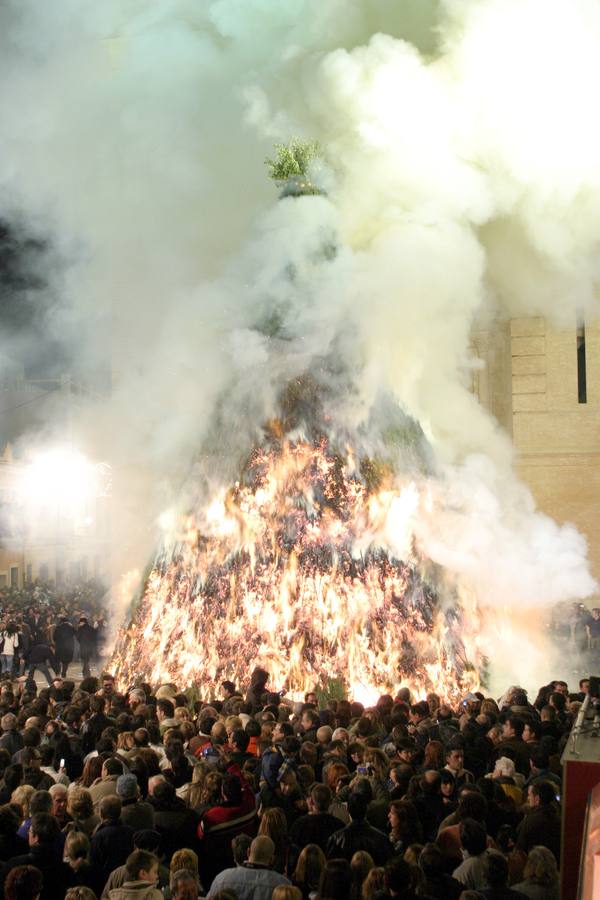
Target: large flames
<point>292,570</point>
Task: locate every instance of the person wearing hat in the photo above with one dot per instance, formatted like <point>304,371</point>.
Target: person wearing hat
<point>135,813</point>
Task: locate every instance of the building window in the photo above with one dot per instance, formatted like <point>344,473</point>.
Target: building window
<point>14,576</point>
<point>29,573</point>
<point>2,579</point>
<point>44,572</point>
<point>581,373</point>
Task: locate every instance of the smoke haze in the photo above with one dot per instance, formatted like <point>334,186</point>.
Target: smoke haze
<point>461,163</point>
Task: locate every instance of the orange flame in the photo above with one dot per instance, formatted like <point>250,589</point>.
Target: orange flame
<point>293,570</point>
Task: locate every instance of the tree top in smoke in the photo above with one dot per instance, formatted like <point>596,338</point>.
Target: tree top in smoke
<point>293,160</point>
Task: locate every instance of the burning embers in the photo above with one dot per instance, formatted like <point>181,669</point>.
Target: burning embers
<point>288,570</point>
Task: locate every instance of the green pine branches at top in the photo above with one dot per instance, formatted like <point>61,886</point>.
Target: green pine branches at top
<point>293,159</point>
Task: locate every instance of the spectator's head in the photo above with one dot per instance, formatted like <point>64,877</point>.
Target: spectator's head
<point>273,824</point>
<point>496,869</point>
<point>44,830</point>
<point>320,799</point>
<point>374,884</point>
<point>336,880</point>
<point>142,866</point>
<point>398,876</point>
<point>513,728</point>
<point>357,806</point>
<point>184,859</point>
<point>22,797</point>
<point>231,789</point>
<point>540,867</point>
<point>31,758</point>
<point>41,802</point>
<point>163,791</point>
<point>360,864</point>
<point>8,722</point>
<point>240,846</point>
<point>541,793</point>
<point>150,840</point>
<point>432,861</point>
<point>183,885</point>
<point>112,768</point>
<point>59,795</point>
<point>165,709</point>
<point>286,892</point>
<point>9,821</point>
<point>310,865</point>
<point>473,837</point>
<point>262,851</point>
<point>77,847</point>
<point>240,740</point>
<point>532,731</point>
<point>23,883</point>
<point>79,804</point>
<point>455,758</point>
<point>110,808</point>
<point>472,805</point>
<point>127,788</point>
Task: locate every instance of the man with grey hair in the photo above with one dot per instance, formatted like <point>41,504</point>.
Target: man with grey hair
<point>11,740</point>
<point>59,794</point>
<point>255,879</point>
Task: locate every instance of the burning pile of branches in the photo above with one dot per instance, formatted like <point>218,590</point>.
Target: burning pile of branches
<point>289,570</point>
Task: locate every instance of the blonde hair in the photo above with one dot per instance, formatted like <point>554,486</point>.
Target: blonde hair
<point>286,892</point>
<point>540,867</point>
<point>184,859</point>
<point>22,796</point>
<point>233,723</point>
<point>373,883</point>
<point>80,893</point>
<point>197,786</point>
<point>77,845</point>
<point>80,804</point>
<point>126,741</point>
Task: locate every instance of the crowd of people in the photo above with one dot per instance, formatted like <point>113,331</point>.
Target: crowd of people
<point>114,795</point>
<point>42,627</point>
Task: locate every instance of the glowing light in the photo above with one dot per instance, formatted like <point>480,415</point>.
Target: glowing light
<point>61,476</point>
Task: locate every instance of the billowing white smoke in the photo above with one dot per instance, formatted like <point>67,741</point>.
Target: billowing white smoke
<point>463,178</point>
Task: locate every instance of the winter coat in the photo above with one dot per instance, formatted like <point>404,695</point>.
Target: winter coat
<point>64,641</point>
<point>40,654</point>
<point>135,890</point>
<point>359,836</point>
<point>111,844</point>
<point>87,640</point>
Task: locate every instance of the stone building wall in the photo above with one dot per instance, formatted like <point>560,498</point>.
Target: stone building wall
<point>530,383</point>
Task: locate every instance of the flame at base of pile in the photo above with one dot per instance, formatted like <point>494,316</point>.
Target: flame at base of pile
<point>288,571</point>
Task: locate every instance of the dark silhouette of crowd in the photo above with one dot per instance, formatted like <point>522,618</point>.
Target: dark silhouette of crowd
<point>148,794</point>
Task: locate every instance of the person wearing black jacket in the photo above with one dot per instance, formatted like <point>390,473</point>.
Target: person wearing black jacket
<point>42,854</point>
<point>38,658</point>
<point>87,644</point>
<point>64,643</point>
<point>112,841</point>
<point>359,835</point>
<point>318,825</point>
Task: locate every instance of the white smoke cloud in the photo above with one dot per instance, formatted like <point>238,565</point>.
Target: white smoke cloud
<point>462,175</point>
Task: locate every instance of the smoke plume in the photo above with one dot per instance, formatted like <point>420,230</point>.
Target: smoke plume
<point>462,184</point>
